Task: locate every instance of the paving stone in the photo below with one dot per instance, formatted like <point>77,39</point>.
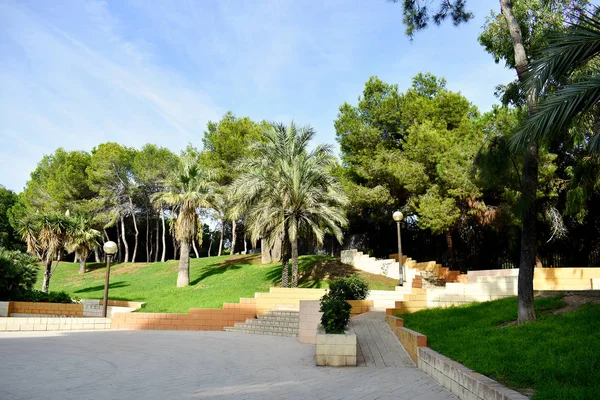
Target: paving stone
<point>189,364</point>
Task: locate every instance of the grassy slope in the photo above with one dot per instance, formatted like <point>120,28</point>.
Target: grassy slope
<point>558,356</point>
<point>214,281</point>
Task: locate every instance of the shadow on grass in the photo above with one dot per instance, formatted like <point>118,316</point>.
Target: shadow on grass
<point>314,271</point>
<point>215,270</point>
<point>114,285</point>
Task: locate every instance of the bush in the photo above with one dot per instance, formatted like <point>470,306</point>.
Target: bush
<point>18,273</point>
<point>336,313</point>
<point>41,297</point>
<point>351,288</point>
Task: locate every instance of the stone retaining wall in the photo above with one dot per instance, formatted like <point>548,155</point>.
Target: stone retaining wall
<point>309,320</point>
<point>410,339</point>
<point>460,380</point>
<point>53,324</point>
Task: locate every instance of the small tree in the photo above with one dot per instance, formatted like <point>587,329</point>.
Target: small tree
<point>81,239</point>
<point>18,273</point>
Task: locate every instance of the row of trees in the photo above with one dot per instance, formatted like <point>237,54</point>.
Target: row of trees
<point>260,175</point>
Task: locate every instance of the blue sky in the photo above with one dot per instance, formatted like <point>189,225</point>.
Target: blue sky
<point>74,74</point>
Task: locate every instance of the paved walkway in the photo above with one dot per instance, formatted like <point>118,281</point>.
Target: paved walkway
<point>377,344</point>
<point>193,365</point>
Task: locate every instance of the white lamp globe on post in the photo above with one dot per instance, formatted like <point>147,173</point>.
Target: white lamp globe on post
<point>398,217</point>
<point>110,248</point>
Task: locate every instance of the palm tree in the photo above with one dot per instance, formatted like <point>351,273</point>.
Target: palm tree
<point>81,239</point>
<point>285,190</point>
<point>186,192</point>
<point>574,56</point>
<point>44,234</point>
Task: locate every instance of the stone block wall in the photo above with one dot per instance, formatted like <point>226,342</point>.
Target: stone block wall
<point>5,308</point>
<point>360,306</point>
<point>53,324</point>
<point>460,380</point>
<point>336,350</point>
<point>285,297</point>
<point>309,321</point>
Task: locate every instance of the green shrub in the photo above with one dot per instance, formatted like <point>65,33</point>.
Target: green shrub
<point>336,313</point>
<point>39,296</point>
<point>351,288</point>
<point>18,273</point>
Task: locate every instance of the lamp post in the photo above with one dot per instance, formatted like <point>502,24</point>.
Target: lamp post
<point>398,217</point>
<point>110,248</point>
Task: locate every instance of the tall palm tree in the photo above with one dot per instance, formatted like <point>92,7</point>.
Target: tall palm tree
<point>81,239</point>
<point>187,191</point>
<point>577,50</point>
<point>286,190</point>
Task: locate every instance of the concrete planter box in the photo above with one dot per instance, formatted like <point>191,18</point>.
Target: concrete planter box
<point>336,350</point>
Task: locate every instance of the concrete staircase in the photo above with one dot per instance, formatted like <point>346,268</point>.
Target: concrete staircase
<point>281,321</point>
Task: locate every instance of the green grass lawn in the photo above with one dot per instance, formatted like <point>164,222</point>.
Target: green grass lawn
<point>214,281</point>
<point>558,356</point>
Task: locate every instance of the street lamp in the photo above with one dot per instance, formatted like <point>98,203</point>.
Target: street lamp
<point>110,248</point>
<point>398,217</point>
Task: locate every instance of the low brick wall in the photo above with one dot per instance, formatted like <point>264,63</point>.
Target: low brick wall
<point>24,307</point>
<point>460,380</point>
<point>198,319</point>
<point>410,339</point>
<point>53,324</point>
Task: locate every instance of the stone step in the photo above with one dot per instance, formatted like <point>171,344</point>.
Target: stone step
<point>266,322</point>
<point>258,332</point>
<point>255,328</point>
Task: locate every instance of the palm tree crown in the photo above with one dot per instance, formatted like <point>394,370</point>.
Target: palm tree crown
<point>576,50</point>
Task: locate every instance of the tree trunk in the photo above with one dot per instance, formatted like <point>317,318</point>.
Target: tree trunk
<point>222,233</point>
<point>164,239</point>
<point>529,180</point>
<point>455,266</point>
<point>233,236</point>
<point>120,252</point>
<point>124,240</point>
<point>183,276</point>
<point>47,273</point>
<point>136,229</point>
<point>195,249</point>
<point>245,246</point>
<point>82,261</point>
<point>209,244</point>
<point>147,241</point>
<point>528,234</point>
<point>285,258</point>
<point>295,262</point>
<point>157,245</point>
<point>96,255</point>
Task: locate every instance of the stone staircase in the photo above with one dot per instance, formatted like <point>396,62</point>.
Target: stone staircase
<point>281,321</point>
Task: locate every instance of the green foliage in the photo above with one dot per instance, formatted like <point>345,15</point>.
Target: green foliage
<point>546,355</point>
<point>350,288</point>
<point>18,273</point>
<point>336,313</point>
<point>539,20</point>
<point>414,150</point>
<point>59,183</point>
<point>39,296</point>
<point>9,238</point>
<point>417,13</point>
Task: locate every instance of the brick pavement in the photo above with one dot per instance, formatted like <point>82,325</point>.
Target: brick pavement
<point>189,365</point>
